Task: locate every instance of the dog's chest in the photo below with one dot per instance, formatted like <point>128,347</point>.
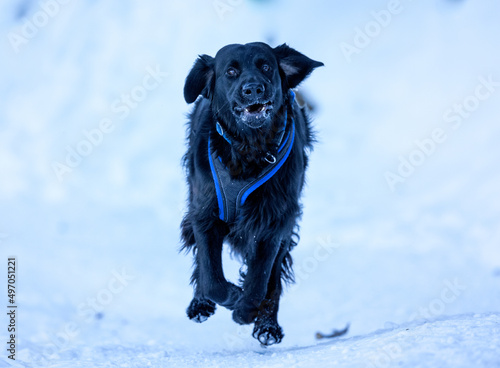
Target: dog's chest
<point>233,193</point>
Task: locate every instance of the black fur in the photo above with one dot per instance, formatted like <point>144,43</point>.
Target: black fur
<point>241,78</point>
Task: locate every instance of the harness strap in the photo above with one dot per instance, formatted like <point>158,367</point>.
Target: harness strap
<point>222,132</point>
<point>232,193</point>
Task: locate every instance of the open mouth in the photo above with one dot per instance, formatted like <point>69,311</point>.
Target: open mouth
<point>255,113</point>
<point>257,108</point>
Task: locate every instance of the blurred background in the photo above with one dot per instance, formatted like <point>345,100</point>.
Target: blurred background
<point>402,199</point>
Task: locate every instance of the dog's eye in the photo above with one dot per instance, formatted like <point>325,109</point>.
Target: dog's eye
<point>265,68</point>
<point>231,72</point>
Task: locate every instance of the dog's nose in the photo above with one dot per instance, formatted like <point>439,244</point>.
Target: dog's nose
<point>253,90</point>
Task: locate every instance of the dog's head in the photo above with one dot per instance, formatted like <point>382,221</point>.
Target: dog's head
<point>247,83</point>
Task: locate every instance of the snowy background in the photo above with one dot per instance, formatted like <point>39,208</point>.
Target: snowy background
<point>400,236</point>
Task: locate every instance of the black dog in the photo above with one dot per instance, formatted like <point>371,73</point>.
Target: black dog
<point>247,155</point>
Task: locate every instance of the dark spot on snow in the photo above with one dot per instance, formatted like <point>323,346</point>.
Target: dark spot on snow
<point>99,315</point>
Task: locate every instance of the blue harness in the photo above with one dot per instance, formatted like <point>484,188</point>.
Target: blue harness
<point>232,193</point>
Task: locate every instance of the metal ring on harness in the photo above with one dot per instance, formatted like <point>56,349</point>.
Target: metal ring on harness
<point>270,158</point>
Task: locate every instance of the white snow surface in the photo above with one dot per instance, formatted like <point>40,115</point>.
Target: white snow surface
<point>414,269</point>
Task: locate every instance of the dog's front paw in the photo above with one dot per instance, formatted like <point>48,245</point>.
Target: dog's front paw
<point>268,332</point>
<point>200,309</point>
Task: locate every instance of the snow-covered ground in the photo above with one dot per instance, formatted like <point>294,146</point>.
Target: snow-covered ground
<point>400,235</point>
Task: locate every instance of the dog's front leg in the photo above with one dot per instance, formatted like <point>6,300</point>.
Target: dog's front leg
<point>208,274</point>
<point>260,262</point>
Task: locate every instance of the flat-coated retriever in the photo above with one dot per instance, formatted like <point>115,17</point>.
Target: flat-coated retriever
<point>247,154</point>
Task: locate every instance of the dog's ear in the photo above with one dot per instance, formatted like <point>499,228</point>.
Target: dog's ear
<point>200,79</point>
<point>295,66</point>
